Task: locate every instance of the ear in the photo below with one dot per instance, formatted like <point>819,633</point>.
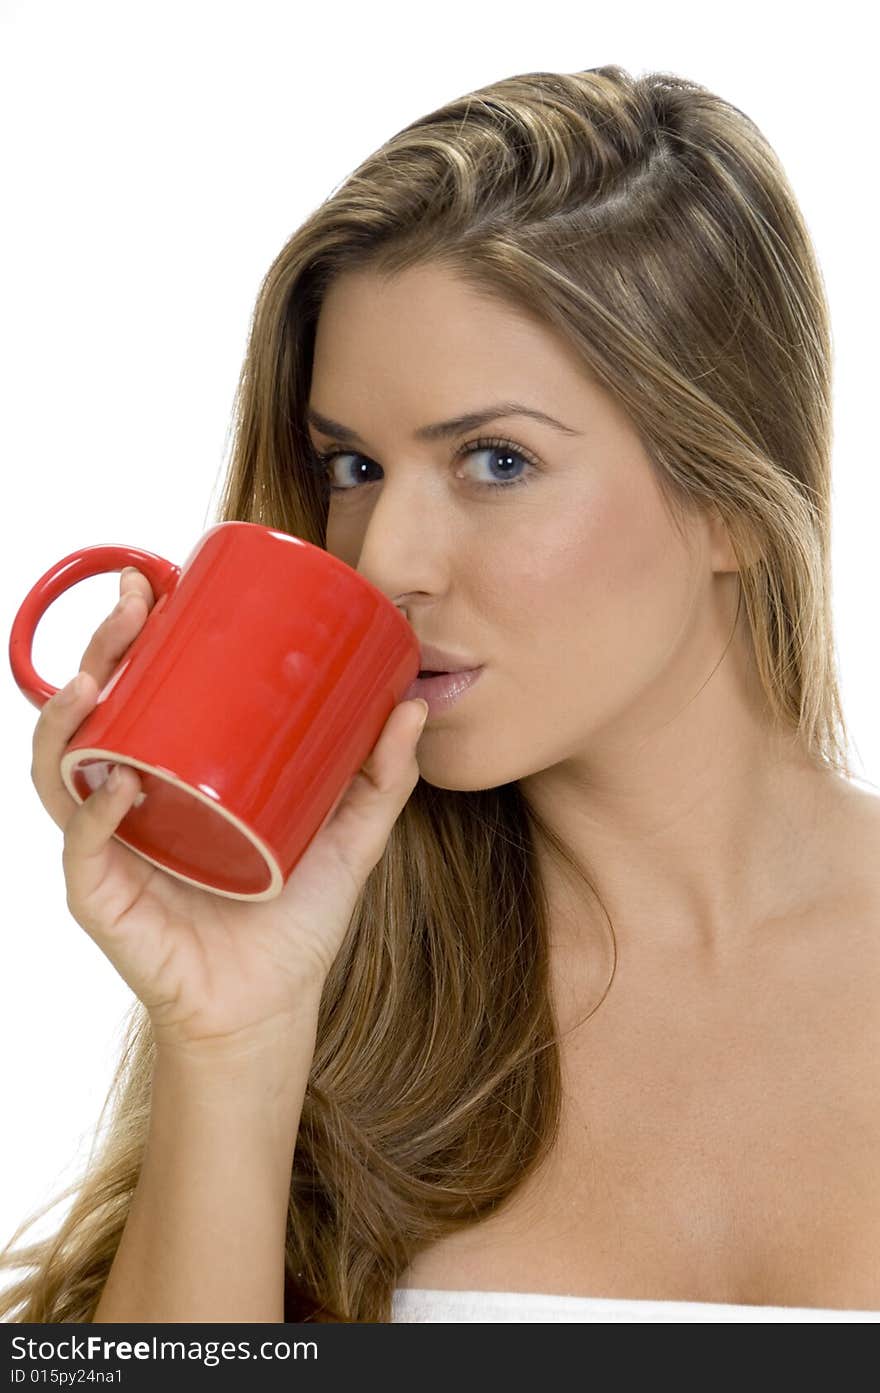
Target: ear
<point>721,550</point>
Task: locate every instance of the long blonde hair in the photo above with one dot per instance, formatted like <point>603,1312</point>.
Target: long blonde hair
<point>649,222</point>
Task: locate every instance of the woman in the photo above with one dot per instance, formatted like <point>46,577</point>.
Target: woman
<point>609,279</point>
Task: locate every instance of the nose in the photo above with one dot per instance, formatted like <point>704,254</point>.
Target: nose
<point>406,546</point>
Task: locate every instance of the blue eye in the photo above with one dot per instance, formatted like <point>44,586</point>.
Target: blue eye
<point>508,455</point>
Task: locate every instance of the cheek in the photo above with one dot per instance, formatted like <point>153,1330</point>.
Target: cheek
<point>593,557</point>
<point>601,595</point>
<point>629,553</point>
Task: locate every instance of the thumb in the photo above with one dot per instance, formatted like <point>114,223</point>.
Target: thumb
<point>361,825</point>
<point>393,755</point>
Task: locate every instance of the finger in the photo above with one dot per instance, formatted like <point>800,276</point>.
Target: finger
<point>110,640</point>
<point>392,758</point>
<point>360,828</point>
<point>94,896</point>
<point>331,874</point>
<point>134,582</point>
<point>60,718</point>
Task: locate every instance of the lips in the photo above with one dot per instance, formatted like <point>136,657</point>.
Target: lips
<point>443,690</point>
<point>435,660</point>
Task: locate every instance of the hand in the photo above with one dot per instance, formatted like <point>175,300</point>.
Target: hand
<point>208,969</point>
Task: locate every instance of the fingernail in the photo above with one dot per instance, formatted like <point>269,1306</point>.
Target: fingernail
<point>70,692</point>
<point>423,716</point>
<point>114,781</point>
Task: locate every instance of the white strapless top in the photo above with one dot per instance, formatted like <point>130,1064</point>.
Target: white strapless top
<point>424,1304</point>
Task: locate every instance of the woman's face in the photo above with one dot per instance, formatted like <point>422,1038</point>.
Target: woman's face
<point>571,585</point>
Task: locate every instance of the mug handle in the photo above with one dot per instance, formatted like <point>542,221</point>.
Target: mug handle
<point>79,565</point>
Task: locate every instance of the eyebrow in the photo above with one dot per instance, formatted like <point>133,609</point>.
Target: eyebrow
<point>440,430</point>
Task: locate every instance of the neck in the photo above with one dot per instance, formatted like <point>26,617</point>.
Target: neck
<point>699,823</point>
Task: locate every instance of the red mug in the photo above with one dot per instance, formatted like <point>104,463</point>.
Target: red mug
<point>248,702</point>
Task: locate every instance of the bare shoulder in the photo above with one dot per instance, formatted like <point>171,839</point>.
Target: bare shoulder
<point>852,919</point>
<point>856,846</point>
<point>837,942</point>
<point>865,806</point>
<point>855,1091</point>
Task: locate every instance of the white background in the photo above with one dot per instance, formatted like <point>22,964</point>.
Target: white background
<point>155,158</point>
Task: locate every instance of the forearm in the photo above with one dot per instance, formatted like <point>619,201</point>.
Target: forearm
<point>205,1235</point>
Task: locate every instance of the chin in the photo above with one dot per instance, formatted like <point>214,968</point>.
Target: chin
<point>474,781</point>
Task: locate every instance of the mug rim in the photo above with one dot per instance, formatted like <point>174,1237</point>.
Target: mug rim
<point>74,759</point>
